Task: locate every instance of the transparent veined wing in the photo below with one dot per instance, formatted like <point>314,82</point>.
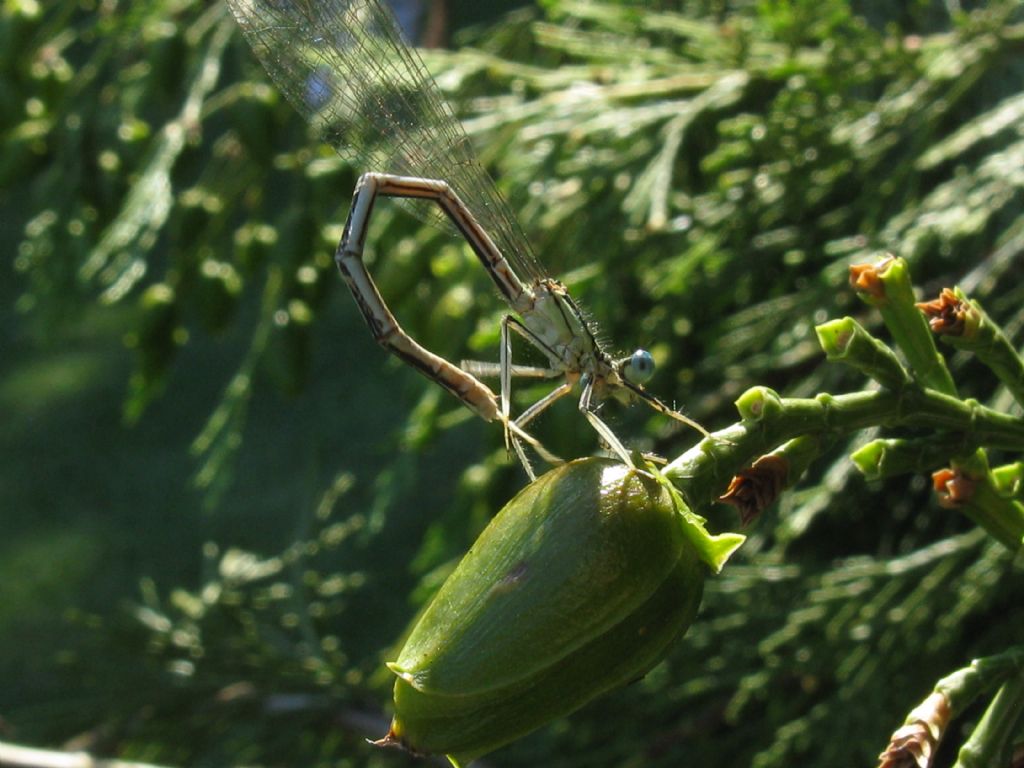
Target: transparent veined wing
<point>345,67</point>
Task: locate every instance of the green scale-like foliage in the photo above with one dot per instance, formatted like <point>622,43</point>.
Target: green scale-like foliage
<point>700,174</point>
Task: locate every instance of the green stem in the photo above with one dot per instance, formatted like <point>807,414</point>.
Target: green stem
<point>927,723</point>
<point>799,453</point>
<point>846,341</point>
<point>900,456</point>
<point>964,686</point>
<point>908,326</point>
<point>991,742</point>
<point>1009,480</point>
<point>928,408</point>
<point>988,342</point>
<point>769,420</point>
<point>1002,517</point>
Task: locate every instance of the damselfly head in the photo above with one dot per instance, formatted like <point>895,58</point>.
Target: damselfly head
<point>638,367</point>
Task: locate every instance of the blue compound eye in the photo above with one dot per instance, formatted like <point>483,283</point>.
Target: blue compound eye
<point>639,367</point>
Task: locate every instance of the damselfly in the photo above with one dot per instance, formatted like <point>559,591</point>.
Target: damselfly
<point>344,65</point>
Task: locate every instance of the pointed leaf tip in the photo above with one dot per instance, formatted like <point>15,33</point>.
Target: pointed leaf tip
<point>713,549</point>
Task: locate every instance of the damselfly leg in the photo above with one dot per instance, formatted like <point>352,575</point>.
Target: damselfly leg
<point>579,358</point>
<point>550,320</point>
<point>477,396</point>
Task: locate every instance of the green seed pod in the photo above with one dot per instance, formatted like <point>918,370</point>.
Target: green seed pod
<point>579,585</point>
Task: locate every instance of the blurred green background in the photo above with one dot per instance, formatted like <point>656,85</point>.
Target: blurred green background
<point>221,502</point>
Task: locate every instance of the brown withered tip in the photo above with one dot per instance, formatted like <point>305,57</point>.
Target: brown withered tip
<point>866,278</point>
<point>916,742</point>
<point>754,489</point>
<point>953,487</point>
<point>909,747</point>
<point>391,739</point>
<point>946,314</point>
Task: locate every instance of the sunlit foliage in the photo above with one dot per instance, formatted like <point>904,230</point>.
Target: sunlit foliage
<point>701,174</point>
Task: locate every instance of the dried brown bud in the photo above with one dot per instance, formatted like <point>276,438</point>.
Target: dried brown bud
<point>946,314</point>
<point>866,278</point>
<point>953,487</point>
<point>754,489</point>
<point>914,744</point>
